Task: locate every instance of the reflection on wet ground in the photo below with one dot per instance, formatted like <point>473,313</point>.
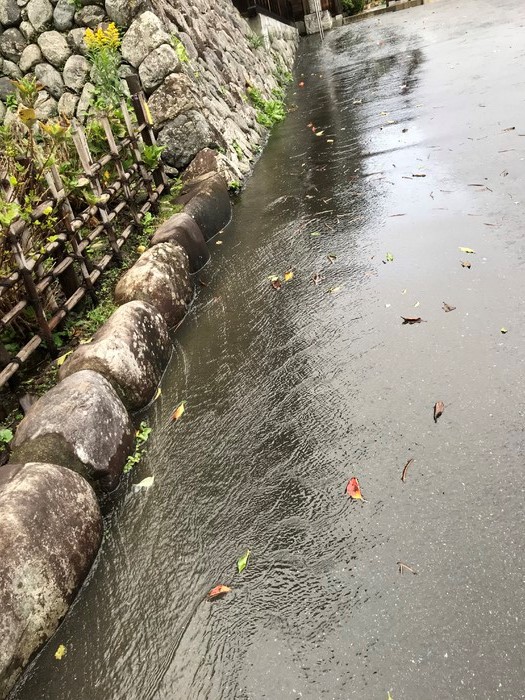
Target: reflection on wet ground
<point>291,392</point>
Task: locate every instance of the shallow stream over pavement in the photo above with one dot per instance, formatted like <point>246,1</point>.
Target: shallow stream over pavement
<point>290,392</point>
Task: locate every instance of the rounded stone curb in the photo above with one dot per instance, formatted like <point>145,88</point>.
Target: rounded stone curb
<point>80,424</point>
<point>182,229</point>
<point>206,199</point>
<point>50,532</point>
<point>131,351</point>
<point>161,276</point>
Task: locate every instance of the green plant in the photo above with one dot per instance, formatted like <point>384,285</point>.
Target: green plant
<point>234,186</point>
<point>151,156</point>
<point>6,435</point>
<point>180,49</point>
<point>141,437</point>
<point>255,41</point>
<point>104,55</point>
<point>269,112</point>
<point>282,75</point>
<point>77,4</point>
<point>238,150</point>
<point>352,7</point>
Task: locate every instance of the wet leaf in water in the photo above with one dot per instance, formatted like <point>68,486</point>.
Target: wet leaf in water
<point>405,469</point>
<point>301,84</point>
<point>447,307</point>
<point>503,330</point>
<point>510,128</point>
<point>178,412</point>
<point>157,393</point>
<point>218,242</point>
<point>353,490</point>
<point>416,304</point>
<point>315,233</point>
<point>288,275</point>
<point>439,407</point>
<point>243,561</point>
<point>404,291</point>
<point>464,263</point>
<point>319,133</point>
<point>334,290</point>
<point>389,697</point>
<point>276,283</point>
<point>389,257</point>
<point>418,175</point>
<point>316,278</point>
<point>60,652</point>
<point>411,319</point>
<point>467,250</point>
<point>218,591</point>
<point>144,484</point>
<point>331,258</point>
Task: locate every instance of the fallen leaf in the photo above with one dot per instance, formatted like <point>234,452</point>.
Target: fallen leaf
<point>334,290</point>
<point>60,652</point>
<point>157,394</point>
<point>218,242</point>
<point>389,697</point>
<point>418,175</point>
<point>178,412</point>
<point>301,84</point>
<point>412,319</point>
<point>144,484</point>
<point>60,360</point>
<point>319,133</point>
<point>276,283</point>
<point>510,128</point>
<point>316,278</point>
<point>329,140</point>
<point>466,264</point>
<point>405,567</point>
<point>405,469</point>
<point>331,258</point>
<point>439,407</point>
<point>389,257</point>
<point>503,330</point>
<point>353,490</point>
<point>394,215</point>
<point>404,291</point>
<point>467,250</point>
<point>315,233</point>
<point>416,304</point>
<point>243,561</point>
<point>288,275</point>
<point>447,307</point>
<point>141,249</point>
<point>217,591</point>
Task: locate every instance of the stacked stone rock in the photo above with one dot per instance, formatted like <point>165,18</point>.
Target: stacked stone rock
<point>197,96</point>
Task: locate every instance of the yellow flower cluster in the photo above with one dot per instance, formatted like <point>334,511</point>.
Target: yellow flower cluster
<point>102,38</point>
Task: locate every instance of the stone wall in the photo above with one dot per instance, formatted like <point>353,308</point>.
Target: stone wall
<point>195,59</point>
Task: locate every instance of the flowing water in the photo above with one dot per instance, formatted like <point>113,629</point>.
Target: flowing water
<point>291,392</point>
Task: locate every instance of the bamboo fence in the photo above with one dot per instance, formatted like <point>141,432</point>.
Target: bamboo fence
<point>50,283</point>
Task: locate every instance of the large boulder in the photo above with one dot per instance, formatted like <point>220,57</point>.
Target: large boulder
<point>155,67</point>
<point>39,14</point>
<point>31,55</point>
<point>50,532</point>
<point>76,72</point>
<point>9,12</point>
<point>122,12</point>
<point>145,34</point>
<point>63,15</point>
<point>90,16</point>
<point>184,137</point>
<point>206,161</point>
<point>131,350</point>
<point>54,48</point>
<point>207,201</point>
<point>12,43</point>
<point>174,97</point>
<point>182,229</point>
<point>50,78</point>
<point>81,424</point>
<point>161,276</point>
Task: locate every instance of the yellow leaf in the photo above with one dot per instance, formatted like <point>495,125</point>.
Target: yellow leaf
<point>47,211</point>
<point>467,250</point>
<point>319,133</point>
<point>60,652</point>
<point>503,330</point>
<point>60,361</point>
<point>27,115</point>
<point>288,275</point>
<point>218,242</point>
<point>178,412</point>
<point>141,249</point>
<point>334,290</point>
<point>157,394</point>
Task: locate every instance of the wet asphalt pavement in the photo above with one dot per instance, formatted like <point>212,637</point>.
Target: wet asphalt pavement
<point>291,392</point>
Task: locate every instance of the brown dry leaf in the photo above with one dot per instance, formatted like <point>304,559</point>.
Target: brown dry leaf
<point>331,258</point>
<point>412,319</point>
<point>317,278</point>
<point>438,410</point>
<point>276,283</point>
<point>405,469</point>
<point>178,412</point>
<point>418,175</point>
<point>447,307</point>
<point>464,263</point>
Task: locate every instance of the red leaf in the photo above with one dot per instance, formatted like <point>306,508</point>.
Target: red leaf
<point>353,490</point>
<point>218,591</point>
